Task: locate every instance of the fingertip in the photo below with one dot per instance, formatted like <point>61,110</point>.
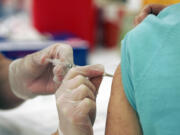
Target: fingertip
<point>147,8</point>
<point>58,69</point>
<point>97,69</point>
<point>57,79</point>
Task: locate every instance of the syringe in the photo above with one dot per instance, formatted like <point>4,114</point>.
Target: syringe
<point>56,62</point>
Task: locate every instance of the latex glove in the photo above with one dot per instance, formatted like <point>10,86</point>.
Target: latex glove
<point>34,75</point>
<point>76,100</point>
<point>154,9</point>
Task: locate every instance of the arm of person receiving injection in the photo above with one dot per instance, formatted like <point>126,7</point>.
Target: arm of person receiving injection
<point>121,118</point>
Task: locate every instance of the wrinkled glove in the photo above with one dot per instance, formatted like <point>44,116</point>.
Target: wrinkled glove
<point>34,75</point>
<point>76,100</point>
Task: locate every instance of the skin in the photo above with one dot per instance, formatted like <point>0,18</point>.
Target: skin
<point>122,120</point>
<point>154,9</point>
<point>7,99</point>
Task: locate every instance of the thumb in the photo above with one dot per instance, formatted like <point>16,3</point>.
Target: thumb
<point>87,71</point>
<point>31,64</point>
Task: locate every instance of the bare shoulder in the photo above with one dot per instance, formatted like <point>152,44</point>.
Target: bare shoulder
<point>121,118</point>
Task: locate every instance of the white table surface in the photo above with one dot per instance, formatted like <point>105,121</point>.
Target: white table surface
<point>39,116</point>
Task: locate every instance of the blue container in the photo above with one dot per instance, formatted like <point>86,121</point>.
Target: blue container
<point>14,50</point>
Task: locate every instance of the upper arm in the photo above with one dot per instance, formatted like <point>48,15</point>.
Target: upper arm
<point>121,117</point>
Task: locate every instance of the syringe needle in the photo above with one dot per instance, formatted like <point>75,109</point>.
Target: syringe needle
<point>56,62</point>
<point>108,75</point>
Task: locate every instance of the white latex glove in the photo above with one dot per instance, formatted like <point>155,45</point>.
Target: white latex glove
<point>76,100</point>
<point>34,75</point>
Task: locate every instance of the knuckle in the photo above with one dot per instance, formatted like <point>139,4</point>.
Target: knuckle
<point>89,102</point>
<point>80,78</point>
<point>73,70</point>
<point>83,87</point>
<point>84,91</point>
<point>54,46</point>
<point>65,47</point>
<point>68,47</point>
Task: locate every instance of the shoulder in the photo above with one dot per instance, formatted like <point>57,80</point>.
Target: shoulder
<point>143,42</point>
<point>153,29</point>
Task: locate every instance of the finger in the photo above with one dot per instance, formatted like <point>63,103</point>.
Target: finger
<point>87,71</point>
<point>65,53</point>
<point>149,9</point>
<point>44,54</point>
<point>96,81</point>
<point>83,92</point>
<point>60,51</point>
<point>88,107</point>
<point>154,8</point>
<point>39,61</point>
<point>78,80</point>
<point>59,72</point>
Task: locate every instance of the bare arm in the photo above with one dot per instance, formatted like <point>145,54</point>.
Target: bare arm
<point>7,99</point>
<point>121,118</point>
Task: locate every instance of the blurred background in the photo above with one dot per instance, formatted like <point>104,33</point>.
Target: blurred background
<point>94,28</point>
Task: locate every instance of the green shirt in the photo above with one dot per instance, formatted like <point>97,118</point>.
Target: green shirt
<point>151,72</point>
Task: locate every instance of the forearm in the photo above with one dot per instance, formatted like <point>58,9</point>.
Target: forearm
<point>7,99</point>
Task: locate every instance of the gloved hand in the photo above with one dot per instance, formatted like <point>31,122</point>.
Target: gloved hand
<point>76,100</point>
<point>34,75</point>
<point>154,9</point>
